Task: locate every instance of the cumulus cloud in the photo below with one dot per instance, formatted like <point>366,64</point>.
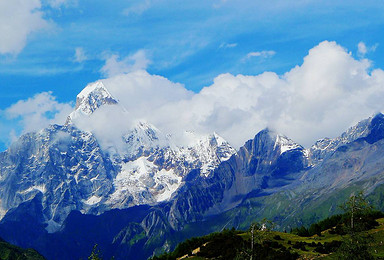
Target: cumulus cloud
<point>363,49</point>
<point>114,65</point>
<point>329,92</point>
<point>19,19</point>
<point>80,56</point>
<point>38,112</point>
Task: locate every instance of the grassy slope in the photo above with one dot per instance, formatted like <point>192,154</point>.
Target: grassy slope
<point>8,251</point>
<point>287,209</point>
<point>376,246</point>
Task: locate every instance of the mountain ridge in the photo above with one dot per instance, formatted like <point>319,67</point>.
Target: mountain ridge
<point>74,171</point>
<point>61,170</point>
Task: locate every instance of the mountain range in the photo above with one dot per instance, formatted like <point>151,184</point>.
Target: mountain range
<point>63,189</point>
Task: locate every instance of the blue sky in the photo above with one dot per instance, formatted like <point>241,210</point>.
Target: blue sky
<point>190,42</point>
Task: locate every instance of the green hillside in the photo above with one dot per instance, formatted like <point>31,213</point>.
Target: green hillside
<point>11,252</point>
<point>335,242</point>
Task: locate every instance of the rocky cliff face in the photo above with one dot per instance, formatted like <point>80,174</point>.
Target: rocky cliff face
<point>355,156</point>
<point>324,147</point>
<point>62,163</point>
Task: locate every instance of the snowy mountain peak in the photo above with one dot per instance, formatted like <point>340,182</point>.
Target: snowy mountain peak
<point>96,92</point>
<point>285,143</point>
<point>281,142</point>
<point>363,129</point>
<point>210,150</point>
<point>92,97</point>
<point>145,136</point>
<point>218,139</point>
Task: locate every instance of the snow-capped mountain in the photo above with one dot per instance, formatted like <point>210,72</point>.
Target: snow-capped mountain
<point>91,98</point>
<point>73,171</point>
<point>157,186</point>
<point>64,164</point>
<point>324,147</point>
<point>47,177</point>
<point>264,164</point>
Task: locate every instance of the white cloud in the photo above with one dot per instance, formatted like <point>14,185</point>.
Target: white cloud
<point>19,19</point>
<point>363,49</point>
<point>137,8</point>
<point>227,45</point>
<point>262,54</point>
<point>322,97</point>
<point>80,55</point>
<point>114,65</point>
<point>327,94</point>
<point>38,112</point>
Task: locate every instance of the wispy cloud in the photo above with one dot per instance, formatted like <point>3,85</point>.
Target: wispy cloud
<point>363,49</point>
<point>261,54</point>
<point>60,3</point>
<point>225,45</point>
<point>40,71</point>
<point>80,56</point>
<point>137,8</point>
<point>219,3</point>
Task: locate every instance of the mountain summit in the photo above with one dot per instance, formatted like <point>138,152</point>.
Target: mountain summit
<point>92,97</point>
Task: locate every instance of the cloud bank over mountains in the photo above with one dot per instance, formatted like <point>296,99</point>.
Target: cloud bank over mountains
<point>328,92</point>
